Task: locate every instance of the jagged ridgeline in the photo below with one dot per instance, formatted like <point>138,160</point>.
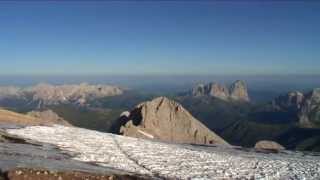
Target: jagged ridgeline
<point>42,95</point>
<point>237,91</point>
<point>75,103</point>
<point>290,119</point>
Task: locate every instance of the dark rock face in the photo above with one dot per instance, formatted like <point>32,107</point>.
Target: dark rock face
<point>167,120</point>
<point>199,90</point>
<point>47,94</point>
<point>310,111</point>
<point>292,100</point>
<point>238,91</point>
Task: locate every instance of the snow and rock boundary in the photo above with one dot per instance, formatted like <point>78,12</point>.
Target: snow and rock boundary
<point>159,159</point>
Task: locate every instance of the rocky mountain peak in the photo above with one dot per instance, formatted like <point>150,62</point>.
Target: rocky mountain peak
<point>309,115</point>
<point>198,90</point>
<point>292,100</point>
<point>315,95</point>
<point>237,91</point>
<point>218,90</point>
<point>305,106</point>
<point>167,120</point>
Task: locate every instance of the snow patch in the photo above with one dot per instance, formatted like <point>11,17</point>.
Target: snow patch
<point>172,160</point>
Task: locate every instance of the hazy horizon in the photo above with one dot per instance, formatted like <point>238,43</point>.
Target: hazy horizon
<point>276,84</point>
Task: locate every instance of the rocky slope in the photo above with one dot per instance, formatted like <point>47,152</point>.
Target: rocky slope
<point>49,116</point>
<point>9,117</point>
<point>305,106</point>
<point>166,120</point>
<point>237,91</point>
<point>46,94</point>
<point>95,152</point>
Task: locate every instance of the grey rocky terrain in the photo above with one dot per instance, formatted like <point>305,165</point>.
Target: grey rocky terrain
<point>22,158</point>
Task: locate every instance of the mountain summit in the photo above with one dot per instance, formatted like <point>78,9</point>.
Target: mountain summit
<point>167,120</point>
<point>237,91</point>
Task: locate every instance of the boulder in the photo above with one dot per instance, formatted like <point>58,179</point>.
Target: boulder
<point>265,145</point>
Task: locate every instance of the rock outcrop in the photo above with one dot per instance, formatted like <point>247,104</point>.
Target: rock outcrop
<point>199,90</point>
<point>46,94</point>
<point>268,146</point>
<point>167,120</point>
<point>305,106</point>
<point>309,115</point>
<point>49,116</point>
<point>238,91</point>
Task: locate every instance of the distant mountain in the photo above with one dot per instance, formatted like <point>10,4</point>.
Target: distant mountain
<point>166,120</point>
<point>291,119</point>
<point>9,117</point>
<point>306,107</point>
<point>42,95</point>
<point>238,91</point>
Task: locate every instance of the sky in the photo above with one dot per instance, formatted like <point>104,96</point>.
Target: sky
<point>151,38</point>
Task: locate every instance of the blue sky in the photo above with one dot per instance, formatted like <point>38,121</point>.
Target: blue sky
<point>159,38</point>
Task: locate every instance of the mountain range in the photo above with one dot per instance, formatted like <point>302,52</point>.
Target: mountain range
<point>210,131</point>
<point>228,112</point>
<point>42,95</point>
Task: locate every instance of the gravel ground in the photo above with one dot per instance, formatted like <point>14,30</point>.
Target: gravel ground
<point>166,160</point>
